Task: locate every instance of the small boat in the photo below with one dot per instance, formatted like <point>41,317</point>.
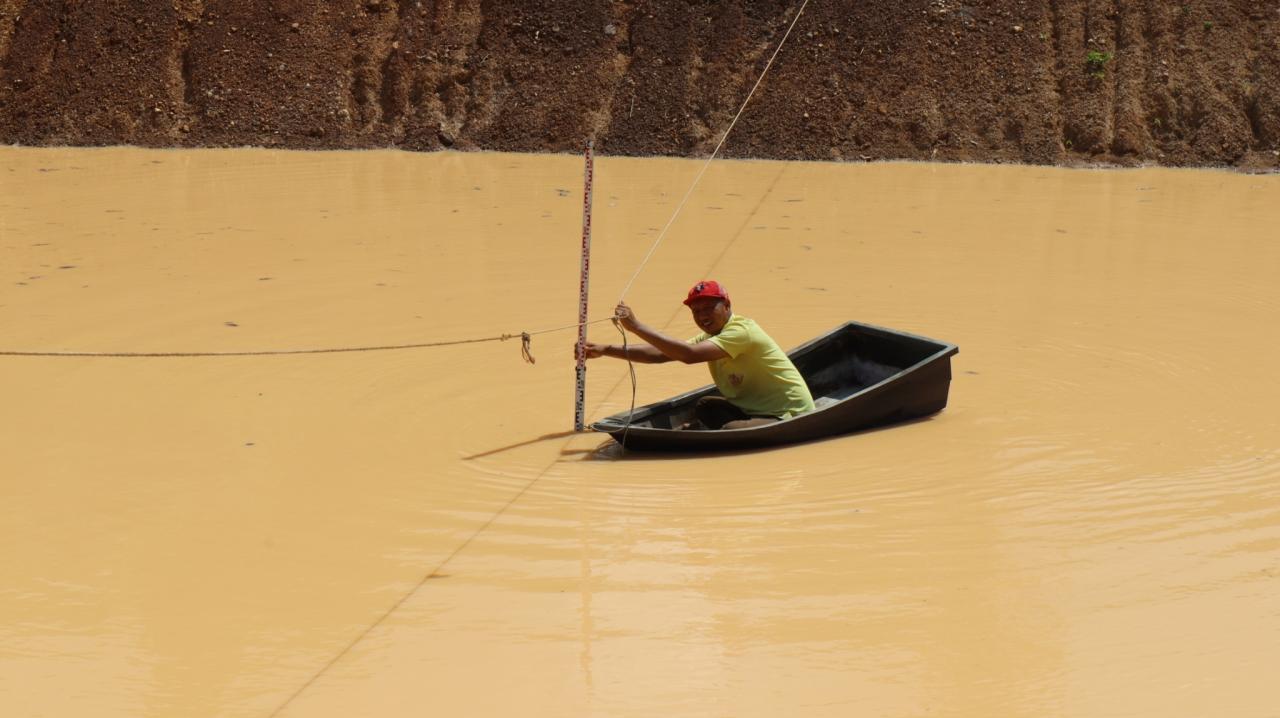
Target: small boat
<point>861,376</point>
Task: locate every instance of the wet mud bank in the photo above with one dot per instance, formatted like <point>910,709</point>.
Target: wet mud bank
<point>1195,82</point>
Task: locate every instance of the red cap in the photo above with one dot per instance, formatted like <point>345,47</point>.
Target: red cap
<point>706,288</point>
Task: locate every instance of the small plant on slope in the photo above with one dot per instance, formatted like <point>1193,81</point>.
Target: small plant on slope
<point>1095,62</point>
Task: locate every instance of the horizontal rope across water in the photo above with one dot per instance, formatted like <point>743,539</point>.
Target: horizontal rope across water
<point>523,336</point>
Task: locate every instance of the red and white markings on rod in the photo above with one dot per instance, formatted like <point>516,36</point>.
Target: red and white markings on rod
<point>581,389</point>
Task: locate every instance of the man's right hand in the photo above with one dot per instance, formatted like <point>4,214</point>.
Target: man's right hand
<point>591,350</point>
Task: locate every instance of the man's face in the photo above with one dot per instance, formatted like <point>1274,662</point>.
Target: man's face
<point>710,314</point>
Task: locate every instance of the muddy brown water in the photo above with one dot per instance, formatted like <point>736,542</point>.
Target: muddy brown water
<point>1092,527</point>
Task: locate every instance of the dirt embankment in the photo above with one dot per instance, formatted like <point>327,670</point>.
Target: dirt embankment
<point>1191,82</point>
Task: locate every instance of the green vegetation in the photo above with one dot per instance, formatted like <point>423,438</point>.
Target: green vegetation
<point>1095,63</point>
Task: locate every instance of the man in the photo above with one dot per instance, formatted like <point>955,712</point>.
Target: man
<point>758,382</point>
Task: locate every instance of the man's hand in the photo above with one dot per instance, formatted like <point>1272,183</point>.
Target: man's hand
<point>625,316</point>
<point>591,350</point>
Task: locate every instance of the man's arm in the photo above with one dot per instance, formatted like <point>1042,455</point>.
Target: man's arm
<point>639,353</point>
<point>673,349</point>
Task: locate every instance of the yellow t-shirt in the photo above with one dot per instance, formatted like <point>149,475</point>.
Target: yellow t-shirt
<point>757,376</point>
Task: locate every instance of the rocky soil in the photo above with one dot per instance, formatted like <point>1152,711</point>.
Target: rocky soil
<point>1174,82</point>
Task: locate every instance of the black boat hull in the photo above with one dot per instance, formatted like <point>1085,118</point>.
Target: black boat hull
<point>861,377</point>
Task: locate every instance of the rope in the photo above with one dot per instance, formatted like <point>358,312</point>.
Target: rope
<point>714,152</point>
<point>525,346</point>
<point>626,354</point>
<point>412,592</point>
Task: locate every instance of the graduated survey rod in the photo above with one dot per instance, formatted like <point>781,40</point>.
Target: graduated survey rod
<point>580,392</point>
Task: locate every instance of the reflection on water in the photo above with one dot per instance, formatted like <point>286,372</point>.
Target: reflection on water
<point>1091,528</point>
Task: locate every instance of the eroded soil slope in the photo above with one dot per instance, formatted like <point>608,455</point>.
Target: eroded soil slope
<point>1045,81</point>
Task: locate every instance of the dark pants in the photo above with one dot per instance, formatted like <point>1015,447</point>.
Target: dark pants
<point>717,412</point>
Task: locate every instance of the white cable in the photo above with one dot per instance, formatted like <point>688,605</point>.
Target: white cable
<point>714,152</point>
